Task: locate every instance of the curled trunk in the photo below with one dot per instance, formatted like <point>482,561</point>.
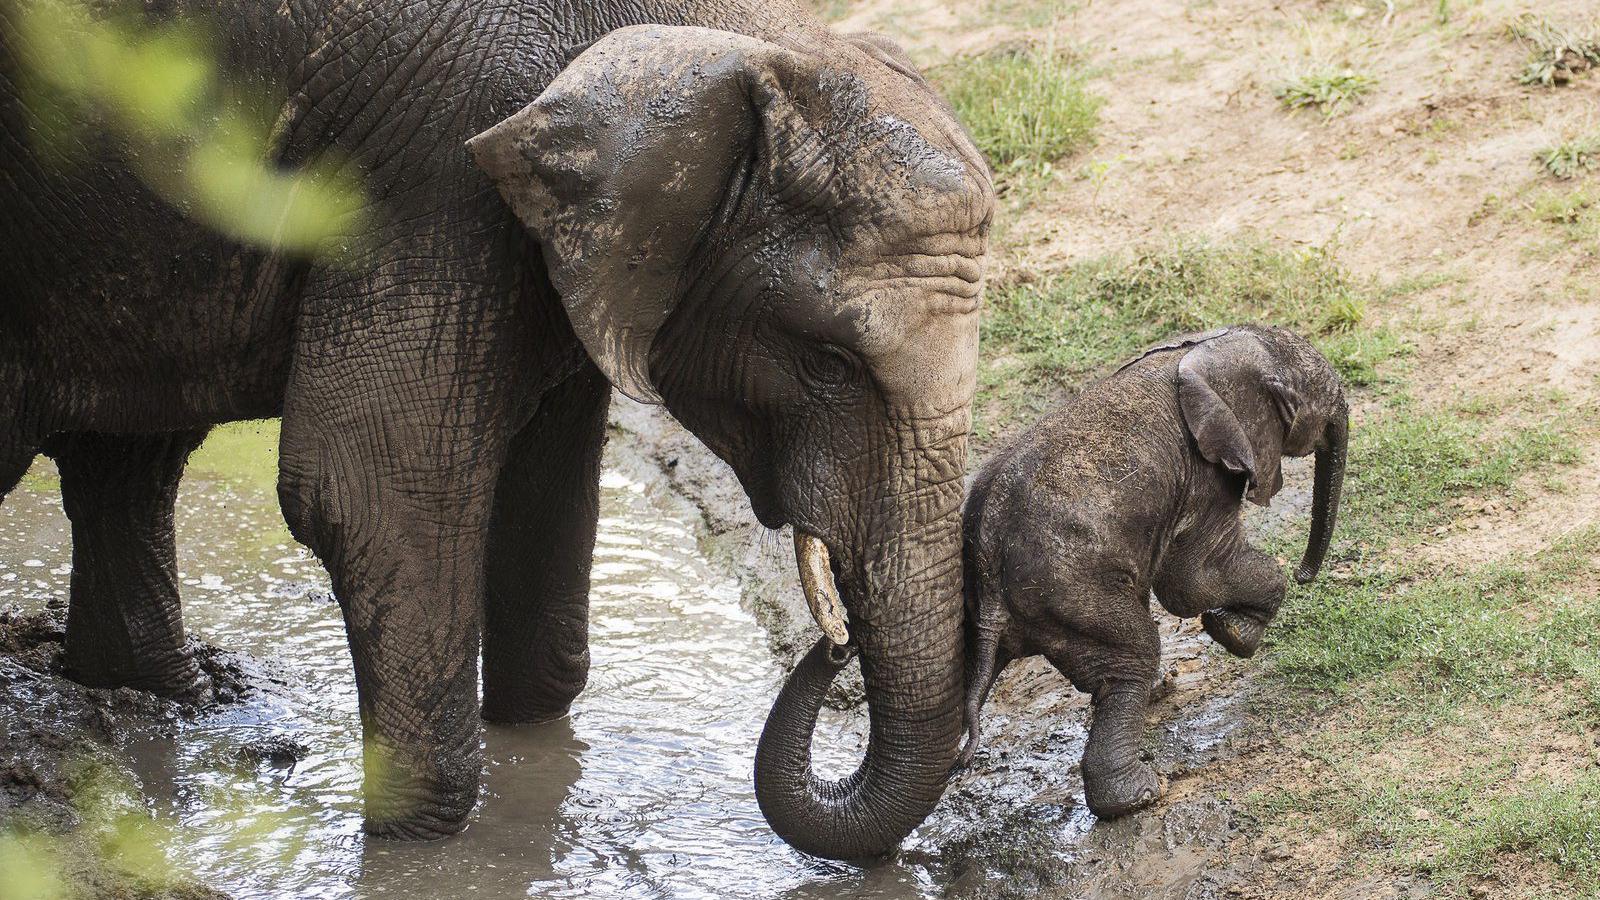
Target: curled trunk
<point>1328,486</point>
<point>911,663</point>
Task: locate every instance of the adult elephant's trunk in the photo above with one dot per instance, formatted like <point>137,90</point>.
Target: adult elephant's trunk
<point>910,646</point>
<point>1325,497</point>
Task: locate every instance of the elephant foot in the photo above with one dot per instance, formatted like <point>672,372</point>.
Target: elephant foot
<point>1238,633</point>
<point>176,675</point>
<point>1127,791</point>
<point>405,803</point>
<point>532,693</point>
<point>523,714</point>
<point>415,828</point>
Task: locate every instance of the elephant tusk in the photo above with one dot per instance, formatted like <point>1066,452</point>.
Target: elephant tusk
<point>816,580</point>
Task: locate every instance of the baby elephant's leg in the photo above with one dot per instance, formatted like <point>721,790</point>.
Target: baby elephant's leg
<point>1235,587</point>
<point>1116,667</point>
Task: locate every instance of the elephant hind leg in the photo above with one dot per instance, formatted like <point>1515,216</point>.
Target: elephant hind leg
<point>14,462</point>
<point>541,546</point>
<point>1235,587</point>
<point>124,622</point>
<point>1097,631</point>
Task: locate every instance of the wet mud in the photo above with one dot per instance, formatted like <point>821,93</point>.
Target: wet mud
<point>60,772</point>
<point>1014,824</point>
<point>644,791</point>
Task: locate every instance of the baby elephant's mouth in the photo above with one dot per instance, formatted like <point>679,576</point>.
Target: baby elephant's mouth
<point>1238,633</point>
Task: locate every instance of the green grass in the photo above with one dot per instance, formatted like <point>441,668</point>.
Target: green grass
<point>1455,825</point>
<point>240,454</point>
<point>1556,52</point>
<point>1559,823</point>
<point>1329,90</point>
<point>1025,106</point>
<point>1461,634</point>
<point>1415,665</point>
<point>1569,159</point>
<point>1042,337</point>
<point>1405,469</point>
<point>1576,213</point>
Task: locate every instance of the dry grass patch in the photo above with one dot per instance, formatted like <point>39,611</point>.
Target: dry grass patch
<point>1556,52</point>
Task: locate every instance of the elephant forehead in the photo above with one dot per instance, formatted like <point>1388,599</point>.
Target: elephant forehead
<point>922,350</point>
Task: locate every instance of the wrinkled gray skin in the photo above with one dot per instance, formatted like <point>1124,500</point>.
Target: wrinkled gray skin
<point>774,230</point>
<point>1133,487</point>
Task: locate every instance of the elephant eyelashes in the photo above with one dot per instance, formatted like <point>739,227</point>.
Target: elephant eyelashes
<point>830,368</point>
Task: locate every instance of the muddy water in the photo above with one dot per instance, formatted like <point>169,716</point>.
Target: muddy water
<point>643,792</point>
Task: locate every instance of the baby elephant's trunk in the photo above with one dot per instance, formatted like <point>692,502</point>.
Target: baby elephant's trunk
<point>1325,496</point>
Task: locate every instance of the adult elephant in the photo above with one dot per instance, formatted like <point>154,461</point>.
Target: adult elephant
<point>774,230</point>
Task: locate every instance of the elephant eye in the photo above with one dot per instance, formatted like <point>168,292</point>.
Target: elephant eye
<point>830,367</point>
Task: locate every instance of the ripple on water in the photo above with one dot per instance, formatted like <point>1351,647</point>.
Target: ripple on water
<point>644,791</point>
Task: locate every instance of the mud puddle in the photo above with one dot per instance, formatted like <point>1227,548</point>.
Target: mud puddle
<point>644,791</point>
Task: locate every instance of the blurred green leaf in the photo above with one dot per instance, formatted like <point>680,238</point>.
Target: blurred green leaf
<point>29,869</point>
<point>202,144</point>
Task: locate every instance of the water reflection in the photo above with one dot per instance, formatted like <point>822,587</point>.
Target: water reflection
<point>644,791</point>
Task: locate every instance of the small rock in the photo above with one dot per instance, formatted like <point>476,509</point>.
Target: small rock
<point>278,751</point>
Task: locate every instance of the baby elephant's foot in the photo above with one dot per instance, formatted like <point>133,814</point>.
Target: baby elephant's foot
<point>1238,633</point>
<point>1129,790</point>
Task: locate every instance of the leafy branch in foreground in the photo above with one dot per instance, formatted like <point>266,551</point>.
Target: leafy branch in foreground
<point>201,143</point>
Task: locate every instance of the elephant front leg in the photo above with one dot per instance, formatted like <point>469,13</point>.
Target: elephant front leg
<point>541,545</point>
<point>1236,588</point>
<point>401,529</point>
<point>1117,673</point>
<point>125,623</point>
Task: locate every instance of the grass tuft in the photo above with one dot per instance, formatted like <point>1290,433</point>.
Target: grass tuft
<point>1569,159</point>
<point>1559,823</point>
<point>1576,213</point>
<point>1330,91</point>
<point>1556,52</point>
<point>1026,106</point>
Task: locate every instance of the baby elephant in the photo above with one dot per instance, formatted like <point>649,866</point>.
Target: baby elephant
<point>1134,487</point>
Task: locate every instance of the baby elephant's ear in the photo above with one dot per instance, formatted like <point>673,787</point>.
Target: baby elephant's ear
<point>1231,405</point>
<point>883,48</point>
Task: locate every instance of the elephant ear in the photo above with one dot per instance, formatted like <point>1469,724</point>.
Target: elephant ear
<point>1177,343</point>
<point>882,48</point>
<point>619,165</point>
<point>1238,409</point>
